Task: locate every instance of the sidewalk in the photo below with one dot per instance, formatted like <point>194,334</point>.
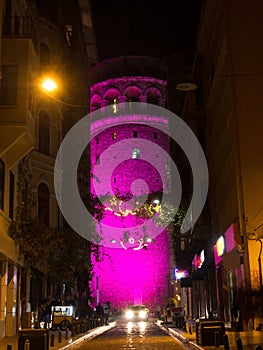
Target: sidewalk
<point>65,344</point>
<point>250,339</point>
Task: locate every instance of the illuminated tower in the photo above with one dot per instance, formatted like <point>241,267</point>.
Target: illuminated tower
<point>136,268</point>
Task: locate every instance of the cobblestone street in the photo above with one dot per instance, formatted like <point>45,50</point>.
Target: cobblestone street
<point>132,335</point>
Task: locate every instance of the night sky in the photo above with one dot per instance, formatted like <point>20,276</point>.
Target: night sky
<point>144,27</point>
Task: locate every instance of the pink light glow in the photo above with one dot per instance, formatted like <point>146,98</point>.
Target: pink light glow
<point>127,273</point>
<point>134,270</point>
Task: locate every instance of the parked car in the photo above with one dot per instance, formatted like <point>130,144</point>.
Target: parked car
<point>137,313</point>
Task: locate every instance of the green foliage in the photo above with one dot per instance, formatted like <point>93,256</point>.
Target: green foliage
<point>35,240</point>
<point>60,252</point>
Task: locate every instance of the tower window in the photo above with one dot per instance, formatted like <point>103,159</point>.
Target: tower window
<point>135,134</point>
<point>114,136</point>
<point>115,105</point>
<point>155,135</point>
<point>135,153</point>
<point>114,180</point>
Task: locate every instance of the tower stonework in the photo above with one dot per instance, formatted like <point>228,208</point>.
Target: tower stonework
<point>136,268</point>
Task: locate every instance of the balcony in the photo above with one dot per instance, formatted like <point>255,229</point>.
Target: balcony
<point>17,122</point>
<point>19,27</point>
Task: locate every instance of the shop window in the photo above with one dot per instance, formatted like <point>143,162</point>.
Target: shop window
<point>2,183</point>
<point>8,90</point>
<point>44,133</point>
<point>43,203</point>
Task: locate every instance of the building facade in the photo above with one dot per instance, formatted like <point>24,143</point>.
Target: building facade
<point>35,41</point>
<point>228,71</point>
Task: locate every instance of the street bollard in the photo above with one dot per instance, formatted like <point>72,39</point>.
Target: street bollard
<point>226,342</point>
<point>52,340</point>
<point>239,344</point>
<point>66,334</point>
<point>217,340</point>
<point>59,337</point>
<point>9,347</point>
<point>27,345</point>
<point>259,347</point>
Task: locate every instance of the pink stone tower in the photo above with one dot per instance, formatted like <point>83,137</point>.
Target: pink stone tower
<point>129,274</point>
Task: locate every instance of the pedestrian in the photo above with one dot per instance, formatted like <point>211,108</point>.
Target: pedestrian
<point>106,311</point>
<point>99,310</point>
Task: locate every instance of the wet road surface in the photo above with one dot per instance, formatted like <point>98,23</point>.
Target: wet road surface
<point>132,336</point>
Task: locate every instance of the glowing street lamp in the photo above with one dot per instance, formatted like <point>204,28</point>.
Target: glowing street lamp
<point>49,85</point>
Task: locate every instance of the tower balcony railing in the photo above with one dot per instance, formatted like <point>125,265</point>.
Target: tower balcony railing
<point>19,27</point>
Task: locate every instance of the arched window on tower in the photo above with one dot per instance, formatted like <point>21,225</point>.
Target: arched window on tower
<point>133,94</point>
<point>111,97</point>
<point>95,103</point>
<point>153,96</point>
<point>43,203</point>
<point>44,133</point>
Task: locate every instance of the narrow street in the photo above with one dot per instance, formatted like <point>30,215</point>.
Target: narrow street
<point>133,336</point>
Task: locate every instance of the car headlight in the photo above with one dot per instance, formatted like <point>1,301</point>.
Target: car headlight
<point>129,314</point>
<point>142,314</point>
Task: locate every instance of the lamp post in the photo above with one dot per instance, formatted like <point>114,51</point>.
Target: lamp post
<point>259,263</point>
<point>259,239</point>
<point>48,85</point>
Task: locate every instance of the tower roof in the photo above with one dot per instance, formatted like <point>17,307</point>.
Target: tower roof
<point>126,66</point>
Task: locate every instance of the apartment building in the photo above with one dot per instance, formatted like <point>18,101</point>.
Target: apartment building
<point>35,40</point>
